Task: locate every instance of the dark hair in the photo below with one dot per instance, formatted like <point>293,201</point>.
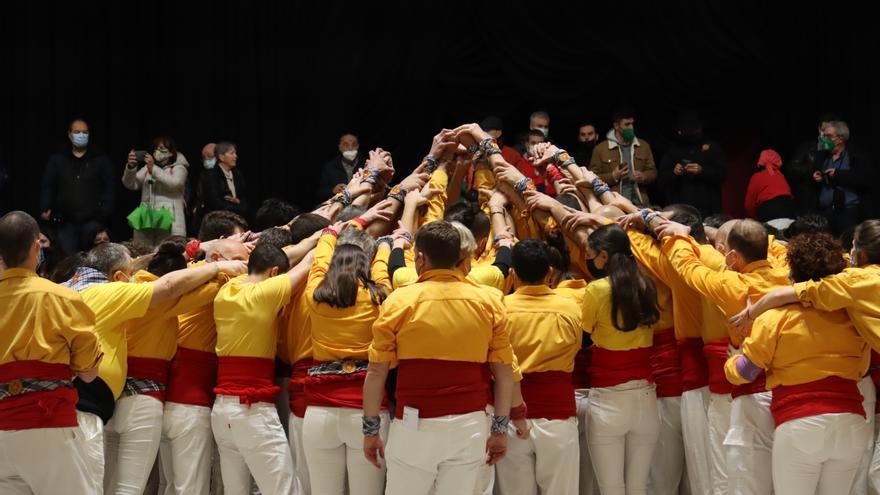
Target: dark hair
<point>350,212</point>
<point>18,233</point>
<point>266,257</point>
<point>688,215</point>
<point>621,113</point>
<point>867,240</point>
<point>275,236</point>
<point>771,230</point>
<point>349,269</point>
<point>569,200</point>
<point>717,220</point>
<point>589,122</point>
<point>440,243</point>
<point>471,217</point>
<point>749,238</point>
<point>846,237</point>
<point>274,212</point>
<point>90,234</point>
<point>220,223</point>
<point>67,267</point>
<point>169,256</point>
<point>808,224</point>
<point>814,256</point>
<point>531,260</point>
<point>827,117</point>
<point>560,258</point>
<point>633,295</point>
<point>136,249</point>
<point>222,148</point>
<point>536,133</point>
<point>169,143</point>
<point>305,225</point>
<point>108,257</point>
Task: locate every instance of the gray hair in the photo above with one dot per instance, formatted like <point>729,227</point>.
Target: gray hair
<point>358,238</point>
<point>540,114</point>
<point>108,258</point>
<point>468,244</point>
<point>840,129</point>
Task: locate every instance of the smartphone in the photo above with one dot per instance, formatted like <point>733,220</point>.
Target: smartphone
<point>139,155</point>
<point>685,162</point>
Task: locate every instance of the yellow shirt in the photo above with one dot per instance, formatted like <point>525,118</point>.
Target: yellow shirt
<point>545,329</point>
<point>445,317</point>
<point>296,323</point>
<point>798,345</point>
<point>436,206</point>
<point>43,321</point>
<point>488,275</point>
<point>777,253</point>
<point>196,329</point>
<point>727,289</point>
<point>714,325</point>
<point>338,333</point>
<point>155,334</point>
<point>115,304</point>
<point>246,316</point>
<point>597,321</point>
<point>855,289</point>
<point>575,289</point>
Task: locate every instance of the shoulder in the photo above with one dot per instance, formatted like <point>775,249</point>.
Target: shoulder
<point>53,290</point>
<point>599,288</point>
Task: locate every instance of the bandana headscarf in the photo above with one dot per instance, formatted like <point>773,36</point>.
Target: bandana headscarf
<point>771,161</point>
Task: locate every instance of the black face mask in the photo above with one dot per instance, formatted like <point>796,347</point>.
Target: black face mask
<point>595,271</point>
<point>586,147</point>
<point>689,136</point>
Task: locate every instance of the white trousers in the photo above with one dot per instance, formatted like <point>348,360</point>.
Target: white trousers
<point>91,440</point>
<point>545,463</point>
<point>874,471</point>
<point>251,441</point>
<point>131,442</point>
<point>302,485</point>
<point>587,478</point>
<point>818,454</point>
<point>749,445</point>
<point>186,449</point>
<point>719,425</point>
<point>333,441</point>
<point>667,468</point>
<point>43,461</point>
<point>622,434</point>
<point>444,456</point>
<point>695,438</point>
<point>869,394</point>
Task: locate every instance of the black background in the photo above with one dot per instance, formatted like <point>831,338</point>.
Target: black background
<point>284,79</point>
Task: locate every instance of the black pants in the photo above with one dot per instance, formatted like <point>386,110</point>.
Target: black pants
<point>843,219</point>
<point>73,236</point>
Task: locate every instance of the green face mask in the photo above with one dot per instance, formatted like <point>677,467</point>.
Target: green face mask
<point>827,143</point>
<point>628,134</point>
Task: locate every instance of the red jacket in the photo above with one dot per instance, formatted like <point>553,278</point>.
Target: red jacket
<point>764,186</point>
<point>512,157</point>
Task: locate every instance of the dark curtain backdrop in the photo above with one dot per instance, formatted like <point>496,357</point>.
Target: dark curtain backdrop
<point>284,79</point>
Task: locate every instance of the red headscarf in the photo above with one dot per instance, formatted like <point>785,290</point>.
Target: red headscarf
<point>770,160</point>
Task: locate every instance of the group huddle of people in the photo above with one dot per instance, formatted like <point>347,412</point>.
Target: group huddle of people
<point>411,337</point>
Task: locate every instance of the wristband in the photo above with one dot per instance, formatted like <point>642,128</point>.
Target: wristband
<point>554,174</point>
<point>329,231</point>
<point>371,425</point>
<point>503,235</point>
<point>406,236</point>
<point>343,197</point>
<point>519,412</point>
<point>360,222</point>
<point>500,423</point>
<point>562,158</point>
<point>600,187</point>
<point>397,193</point>
<point>387,239</point>
<point>474,149</point>
<point>489,147</point>
<point>370,175</point>
<point>523,185</point>
<point>192,248</point>
<point>432,163</point>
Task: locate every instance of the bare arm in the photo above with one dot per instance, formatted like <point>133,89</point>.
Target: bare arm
<point>179,282</point>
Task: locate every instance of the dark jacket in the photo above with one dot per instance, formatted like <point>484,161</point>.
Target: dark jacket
<point>861,178</point>
<point>799,174</point>
<point>214,188</point>
<point>79,190</point>
<point>702,191</point>
<point>333,173</point>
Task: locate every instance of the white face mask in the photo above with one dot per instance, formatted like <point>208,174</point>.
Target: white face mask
<point>209,163</point>
<point>544,130</point>
<point>350,155</point>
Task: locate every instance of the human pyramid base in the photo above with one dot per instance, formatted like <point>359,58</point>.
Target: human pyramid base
<point>519,344</point>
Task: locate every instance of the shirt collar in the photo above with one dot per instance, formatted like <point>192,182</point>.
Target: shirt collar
<point>84,278</point>
<point>534,290</point>
<point>575,283</point>
<point>17,273</point>
<point>756,265</point>
<point>442,274</point>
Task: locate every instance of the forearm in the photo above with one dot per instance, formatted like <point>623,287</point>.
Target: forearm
<point>374,388</point>
<point>773,299</point>
<point>299,274</point>
<point>453,188</point>
<point>503,374</point>
<point>297,252</point>
<point>179,282</point>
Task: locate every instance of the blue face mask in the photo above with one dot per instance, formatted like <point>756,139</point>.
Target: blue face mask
<point>80,139</point>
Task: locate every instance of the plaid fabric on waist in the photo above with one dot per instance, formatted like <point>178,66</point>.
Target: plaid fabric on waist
<point>344,367</point>
<point>26,385</point>
<point>139,386</point>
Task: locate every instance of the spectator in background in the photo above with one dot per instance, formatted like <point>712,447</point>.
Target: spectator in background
<point>161,180</point>
<point>274,212</point>
<point>768,197</point>
<point>79,188</point>
<point>624,161</point>
<point>799,170</point>
<point>225,187</point>
<point>538,121</point>
<point>842,177</point>
<point>50,253</point>
<point>336,173</point>
<point>99,235</point>
<point>209,161</point>
<point>495,128</point>
<point>692,169</point>
<point>588,138</point>
<point>220,224</point>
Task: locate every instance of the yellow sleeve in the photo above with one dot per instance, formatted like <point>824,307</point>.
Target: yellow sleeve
<point>723,288</point>
<point>405,276</point>
<point>500,350</point>
<point>484,179</point>
<point>732,373</point>
<point>188,302</point>
<point>119,302</point>
<point>79,332</point>
<point>275,292</point>
<point>379,269</point>
<point>437,204</point>
<point>489,275</point>
<point>524,225</point>
<point>760,345</point>
<point>648,253</point>
<point>517,371</point>
<point>837,291</point>
<point>320,264</point>
<point>589,310</point>
<point>392,314</point>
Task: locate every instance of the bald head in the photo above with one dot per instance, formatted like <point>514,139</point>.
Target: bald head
<point>722,233</point>
<point>227,249</point>
<point>19,240</point>
<point>208,151</point>
<point>609,212</point>
<point>749,239</point>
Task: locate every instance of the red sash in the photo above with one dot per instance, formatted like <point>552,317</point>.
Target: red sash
<point>610,368</point>
<point>757,386</point>
<point>832,395</point>
<point>192,378</point>
<point>665,364</point>
<point>440,388</point>
<point>580,378</point>
<point>297,386</point>
<point>250,378</point>
<point>694,373</point>
<point>716,356</point>
<point>548,395</point>
<point>46,409</point>
<point>337,390</point>
<point>874,370</point>
<point>151,369</point>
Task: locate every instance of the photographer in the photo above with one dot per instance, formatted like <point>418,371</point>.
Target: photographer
<point>842,176</point>
<point>160,175</point>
